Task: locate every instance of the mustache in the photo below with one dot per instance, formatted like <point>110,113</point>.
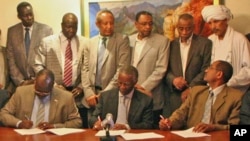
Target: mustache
<point>215,30</point>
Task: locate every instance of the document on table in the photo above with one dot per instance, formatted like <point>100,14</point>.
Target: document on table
<point>57,131</point>
<point>189,133</point>
<point>136,136</point>
<point>102,133</point>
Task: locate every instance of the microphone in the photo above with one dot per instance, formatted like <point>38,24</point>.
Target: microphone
<point>108,122</point>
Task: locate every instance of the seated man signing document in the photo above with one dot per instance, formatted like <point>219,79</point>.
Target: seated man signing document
<point>41,105</point>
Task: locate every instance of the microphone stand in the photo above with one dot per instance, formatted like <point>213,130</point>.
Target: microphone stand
<point>107,137</point>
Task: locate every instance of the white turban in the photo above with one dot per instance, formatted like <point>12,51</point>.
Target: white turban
<point>217,12</point>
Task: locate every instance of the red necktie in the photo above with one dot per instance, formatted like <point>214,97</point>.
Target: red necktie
<point>68,66</point>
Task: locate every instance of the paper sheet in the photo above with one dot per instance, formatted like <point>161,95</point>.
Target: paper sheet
<point>136,136</point>
<point>57,131</point>
<point>102,133</point>
<point>189,133</point>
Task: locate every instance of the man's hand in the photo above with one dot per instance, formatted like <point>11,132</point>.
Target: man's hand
<point>25,124</point>
<point>45,125</point>
<point>92,100</point>
<point>185,94</point>
<point>165,124</point>
<point>77,91</point>
<point>179,83</point>
<point>119,127</point>
<point>203,127</point>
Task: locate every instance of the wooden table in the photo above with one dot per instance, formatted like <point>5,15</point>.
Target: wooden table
<point>8,134</point>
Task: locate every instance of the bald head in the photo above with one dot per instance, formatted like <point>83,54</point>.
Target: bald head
<point>69,25</point>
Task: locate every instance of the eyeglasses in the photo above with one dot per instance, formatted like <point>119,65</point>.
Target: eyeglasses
<point>146,23</point>
<point>126,84</point>
<point>42,93</point>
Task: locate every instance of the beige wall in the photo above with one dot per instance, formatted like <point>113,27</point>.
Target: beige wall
<point>240,10</point>
<point>51,12</point>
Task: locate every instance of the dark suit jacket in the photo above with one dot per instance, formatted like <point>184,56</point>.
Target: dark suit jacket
<point>225,110</point>
<point>20,65</point>
<point>140,111</point>
<point>198,60</point>
<point>62,112</point>
<point>245,109</point>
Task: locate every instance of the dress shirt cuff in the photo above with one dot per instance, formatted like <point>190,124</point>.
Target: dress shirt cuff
<point>18,123</point>
<point>127,126</point>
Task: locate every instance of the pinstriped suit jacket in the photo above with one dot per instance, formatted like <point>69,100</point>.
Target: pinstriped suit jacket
<point>19,65</point>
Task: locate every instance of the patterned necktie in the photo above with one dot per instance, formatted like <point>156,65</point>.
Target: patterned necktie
<point>101,52</point>
<point>27,40</point>
<point>122,111</point>
<point>68,66</point>
<point>40,113</point>
<point>207,113</point>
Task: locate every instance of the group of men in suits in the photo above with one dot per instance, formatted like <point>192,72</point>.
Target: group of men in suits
<point>106,67</point>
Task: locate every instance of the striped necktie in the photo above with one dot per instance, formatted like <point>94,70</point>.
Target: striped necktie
<point>68,65</point>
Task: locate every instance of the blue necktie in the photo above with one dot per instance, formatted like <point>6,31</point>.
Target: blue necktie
<point>101,52</point>
<point>27,40</point>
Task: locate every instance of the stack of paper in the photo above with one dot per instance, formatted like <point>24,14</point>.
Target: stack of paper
<point>57,131</point>
<point>136,136</point>
<point>189,133</point>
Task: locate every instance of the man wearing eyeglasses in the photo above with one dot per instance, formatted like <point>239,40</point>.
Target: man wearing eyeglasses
<point>150,53</point>
<point>41,105</point>
<point>130,108</point>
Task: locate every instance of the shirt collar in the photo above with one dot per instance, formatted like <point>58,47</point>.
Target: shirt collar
<point>188,40</point>
<point>217,90</point>
<point>129,95</point>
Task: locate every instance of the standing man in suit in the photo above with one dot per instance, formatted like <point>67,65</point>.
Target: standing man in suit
<point>105,55</point>
<point>23,109</point>
<point>150,56</point>
<point>52,54</point>
<point>137,113</point>
<point>22,41</point>
<point>190,55</point>
<point>208,108</point>
<point>6,86</point>
<point>228,45</point>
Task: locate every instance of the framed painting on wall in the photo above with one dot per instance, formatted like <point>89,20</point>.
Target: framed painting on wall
<point>165,14</point>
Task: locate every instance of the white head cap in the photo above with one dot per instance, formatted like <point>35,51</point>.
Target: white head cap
<point>217,12</point>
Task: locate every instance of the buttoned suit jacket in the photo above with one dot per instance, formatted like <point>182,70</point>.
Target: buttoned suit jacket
<point>152,65</point>
<point>62,111</point>
<point>225,110</point>
<point>140,115</point>
<point>116,55</point>
<point>20,66</point>
<point>198,60</point>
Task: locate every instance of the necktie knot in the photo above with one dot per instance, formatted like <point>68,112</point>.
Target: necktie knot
<point>27,29</point>
<point>104,39</point>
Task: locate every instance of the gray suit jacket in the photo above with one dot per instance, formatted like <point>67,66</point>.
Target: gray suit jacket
<point>225,110</point>
<point>117,54</point>
<point>140,112</point>
<point>19,65</point>
<point>198,60</point>
<point>62,112</point>
<point>152,65</point>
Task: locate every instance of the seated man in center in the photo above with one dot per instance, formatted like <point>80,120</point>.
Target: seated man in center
<point>131,109</point>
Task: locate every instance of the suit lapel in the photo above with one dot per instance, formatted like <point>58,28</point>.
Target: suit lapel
<point>53,106</point>
<point>58,50</point>
<point>149,43</point>
<point>109,48</point>
<point>20,39</point>
<point>135,104</point>
<point>192,49</point>
<point>93,49</point>
<point>177,58</point>
<point>220,100</point>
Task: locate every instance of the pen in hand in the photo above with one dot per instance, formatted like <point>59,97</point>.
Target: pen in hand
<point>27,117</point>
<point>166,121</point>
